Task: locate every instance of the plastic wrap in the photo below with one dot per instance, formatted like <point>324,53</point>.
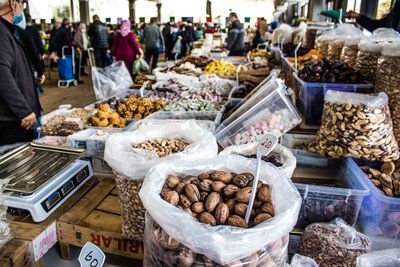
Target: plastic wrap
<point>134,163</point>
<point>302,261</point>
<point>385,33</point>
<point>223,244</point>
<point>358,126</point>
<point>388,81</point>
<point>322,43</point>
<point>350,51</point>
<point>282,155</point>
<point>5,231</point>
<point>333,244</point>
<point>284,31</point>
<point>383,258</point>
<point>111,80</point>
<point>367,58</point>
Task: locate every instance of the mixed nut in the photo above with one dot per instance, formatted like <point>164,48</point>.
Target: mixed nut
<point>367,64</point>
<point>356,130</point>
<point>163,146</point>
<point>333,244</point>
<point>219,198</point>
<point>387,180</point>
<point>349,55</point>
<point>162,250</point>
<point>335,49</point>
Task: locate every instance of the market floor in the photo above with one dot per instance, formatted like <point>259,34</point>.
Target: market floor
<point>53,96</point>
<point>52,258</point>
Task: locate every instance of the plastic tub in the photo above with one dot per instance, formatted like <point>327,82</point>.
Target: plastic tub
<point>119,95</point>
<point>275,114</point>
<point>288,70</point>
<point>377,213</point>
<point>311,97</point>
<point>267,89</point>
<point>329,188</point>
<point>276,52</point>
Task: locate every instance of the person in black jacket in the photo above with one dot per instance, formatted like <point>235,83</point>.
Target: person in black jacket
<point>19,101</point>
<point>392,20</point>
<point>35,34</point>
<point>98,33</point>
<point>236,36</point>
<point>63,38</point>
<point>182,35</point>
<point>111,36</point>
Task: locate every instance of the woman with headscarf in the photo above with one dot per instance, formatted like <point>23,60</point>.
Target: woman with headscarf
<point>125,46</point>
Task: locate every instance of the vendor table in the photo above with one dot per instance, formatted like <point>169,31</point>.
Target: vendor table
<point>14,254</point>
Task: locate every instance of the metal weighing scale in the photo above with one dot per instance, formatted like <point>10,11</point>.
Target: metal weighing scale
<point>42,177</point>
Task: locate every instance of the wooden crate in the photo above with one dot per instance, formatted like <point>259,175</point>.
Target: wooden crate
<point>97,218</point>
<point>14,254</point>
<point>39,237</point>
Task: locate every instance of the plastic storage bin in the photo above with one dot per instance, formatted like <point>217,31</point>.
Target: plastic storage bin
<point>379,217</point>
<point>288,70</point>
<point>329,188</point>
<point>268,88</point>
<point>311,97</point>
<point>275,114</point>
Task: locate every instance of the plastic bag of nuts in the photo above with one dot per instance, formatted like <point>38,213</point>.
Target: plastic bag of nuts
<point>367,58</point>
<point>388,81</point>
<point>335,48</point>
<point>280,155</point>
<point>132,210</point>
<point>350,51</point>
<point>333,244</point>
<point>358,126</point>
<point>322,43</point>
<point>223,244</point>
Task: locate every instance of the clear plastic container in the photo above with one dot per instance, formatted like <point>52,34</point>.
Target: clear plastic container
<point>274,114</point>
<point>288,69</point>
<point>379,216</point>
<point>329,188</point>
<point>267,89</point>
<point>119,95</point>
<point>207,124</point>
<point>311,97</point>
<point>276,52</point>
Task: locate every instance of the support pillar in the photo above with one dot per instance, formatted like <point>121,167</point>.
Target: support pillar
<point>159,5</point>
<point>27,11</point>
<point>84,11</point>
<point>72,10</point>
<point>132,10</point>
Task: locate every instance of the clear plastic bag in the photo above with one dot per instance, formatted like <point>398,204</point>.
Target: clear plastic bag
<point>134,163</point>
<point>223,244</point>
<point>335,48</point>
<point>284,31</point>
<point>302,261</point>
<point>281,155</point>
<point>367,58</point>
<point>358,126</point>
<point>350,50</point>
<point>140,66</point>
<point>383,258</point>
<point>388,81</point>
<point>322,43</point>
<point>333,244</point>
<point>111,80</point>
<point>385,33</point>
<point>162,250</point>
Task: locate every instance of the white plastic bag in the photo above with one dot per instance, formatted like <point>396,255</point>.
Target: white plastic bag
<point>302,261</point>
<point>223,244</point>
<point>383,258</point>
<point>111,80</point>
<point>177,47</point>
<point>134,163</point>
<point>385,34</point>
<point>284,31</point>
<point>281,154</point>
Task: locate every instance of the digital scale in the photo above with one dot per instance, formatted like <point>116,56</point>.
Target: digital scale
<point>42,177</point>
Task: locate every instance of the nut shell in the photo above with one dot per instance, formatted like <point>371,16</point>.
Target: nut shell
<point>192,192</point>
<point>172,197</point>
<point>221,213</point>
<point>207,218</point>
<point>243,196</point>
<point>212,201</point>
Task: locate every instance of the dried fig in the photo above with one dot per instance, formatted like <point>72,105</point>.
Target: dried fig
<point>212,201</point>
<point>192,192</point>
<point>172,181</point>
<point>231,190</point>
<point>218,186</point>
<point>264,194</point>
<point>243,196</point>
<point>172,197</point>
<point>237,221</point>
<point>261,218</point>
<point>221,213</point>
<point>207,218</point>
<point>205,185</point>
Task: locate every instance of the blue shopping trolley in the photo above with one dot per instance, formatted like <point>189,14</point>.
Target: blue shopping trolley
<point>66,69</point>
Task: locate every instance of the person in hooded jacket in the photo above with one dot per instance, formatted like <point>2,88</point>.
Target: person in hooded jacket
<point>126,48</point>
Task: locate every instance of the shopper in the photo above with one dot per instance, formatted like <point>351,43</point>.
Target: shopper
<point>236,36</point>
<point>53,32</point>
<point>98,33</point>
<point>63,38</point>
<point>191,34</point>
<point>392,20</point>
<point>81,42</point>
<point>169,41</point>
<point>111,36</point>
<point>182,37</point>
<point>257,40</point>
<point>35,34</point>
<point>126,48</point>
<point>19,101</point>
<point>152,37</point>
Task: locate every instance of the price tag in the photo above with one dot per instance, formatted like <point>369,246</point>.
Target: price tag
<point>266,144</point>
<point>91,256</point>
<point>142,88</point>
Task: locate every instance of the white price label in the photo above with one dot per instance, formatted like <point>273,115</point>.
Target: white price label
<point>266,143</point>
<point>91,256</point>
